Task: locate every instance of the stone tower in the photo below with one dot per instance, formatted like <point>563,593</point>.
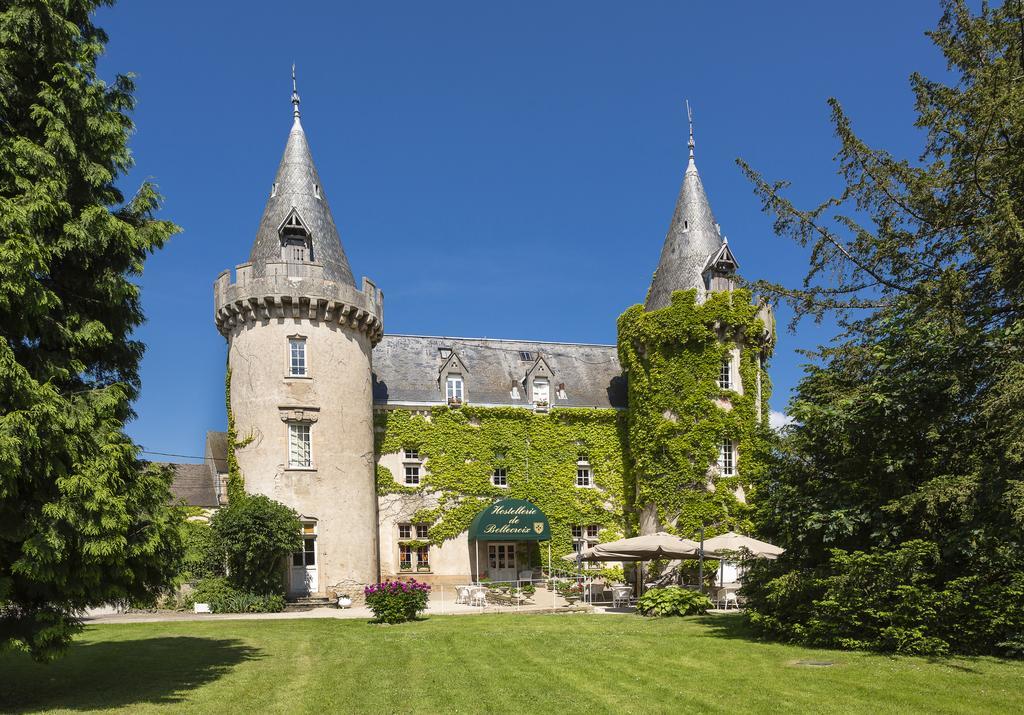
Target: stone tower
<point>694,355</point>
<point>300,335</point>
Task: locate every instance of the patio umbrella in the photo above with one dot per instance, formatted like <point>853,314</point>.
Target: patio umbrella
<point>579,556</point>
<point>730,543</point>
<point>644,548</point>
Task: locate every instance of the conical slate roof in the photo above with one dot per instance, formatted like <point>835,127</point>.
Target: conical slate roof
<point>692,238</point>
<point>297,186</point>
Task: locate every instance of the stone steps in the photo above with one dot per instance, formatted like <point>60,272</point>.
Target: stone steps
<point>308,603</point>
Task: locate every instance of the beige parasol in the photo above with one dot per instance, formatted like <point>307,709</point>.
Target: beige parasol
<point>730,544</point>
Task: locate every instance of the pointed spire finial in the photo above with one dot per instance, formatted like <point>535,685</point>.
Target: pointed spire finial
<point>295,95</point>
<point>689,117</point>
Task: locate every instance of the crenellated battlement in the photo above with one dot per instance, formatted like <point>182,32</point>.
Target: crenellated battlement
<point>295,290</point>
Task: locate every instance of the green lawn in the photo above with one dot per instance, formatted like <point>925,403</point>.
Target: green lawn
<point>498,663</point>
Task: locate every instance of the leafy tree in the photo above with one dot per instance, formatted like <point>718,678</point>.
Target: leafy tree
<point>257,534</point>
<point>82,520</point>
<point>910,427</point>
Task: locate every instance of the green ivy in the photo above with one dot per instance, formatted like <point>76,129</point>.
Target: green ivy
<point>236,483</point>
<point>671,358</point>
<point>463,446</point>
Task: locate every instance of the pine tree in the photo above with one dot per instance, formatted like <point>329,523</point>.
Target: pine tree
<point>82,520</point>
<point>900,493</point>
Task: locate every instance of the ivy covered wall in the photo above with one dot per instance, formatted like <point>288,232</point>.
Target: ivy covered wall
<point>678,415</point>
<point>463,446</point>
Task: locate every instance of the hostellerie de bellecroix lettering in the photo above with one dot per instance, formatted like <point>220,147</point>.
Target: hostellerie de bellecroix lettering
<point>512,526</point>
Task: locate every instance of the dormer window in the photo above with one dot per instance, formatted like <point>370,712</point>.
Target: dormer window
<point>296,245</point>
<point>538,384</point>
<point>450,378</point>
<point>541,392</point>
<point>454,388</point>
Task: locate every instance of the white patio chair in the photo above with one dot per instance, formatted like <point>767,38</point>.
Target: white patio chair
<point>462,594</point>
<point>621,596</point>
<point>730,597</point>
<point>478,596</point>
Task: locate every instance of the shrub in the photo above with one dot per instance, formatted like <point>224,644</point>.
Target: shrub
<point>887,600</point>
<point>203,558</point>
<point>672,601</point>
<point>612,574</point>
<point>396,601</point>
<point>257,534</point>
<point>225,598</point>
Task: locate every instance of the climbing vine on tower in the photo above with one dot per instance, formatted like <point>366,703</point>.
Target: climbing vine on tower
<point>678,414</point>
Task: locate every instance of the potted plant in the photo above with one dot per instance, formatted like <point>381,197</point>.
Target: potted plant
<point>454,402</point>
<point>405,566</point>
<point>529,589</point>
<point>570,591</point>
<point>422,566</point>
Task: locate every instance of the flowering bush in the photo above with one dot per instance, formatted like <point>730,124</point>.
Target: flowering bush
<point>396,601</point>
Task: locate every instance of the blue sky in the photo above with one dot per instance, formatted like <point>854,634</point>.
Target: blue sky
<point>499,169</point>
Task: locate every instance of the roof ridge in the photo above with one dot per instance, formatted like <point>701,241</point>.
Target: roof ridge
<point>502,340</point>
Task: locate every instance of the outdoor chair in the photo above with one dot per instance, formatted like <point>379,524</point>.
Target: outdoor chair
<point>727,596</point>
<point>478,596</point>
<point>621,596</point>
<point>462,594</point>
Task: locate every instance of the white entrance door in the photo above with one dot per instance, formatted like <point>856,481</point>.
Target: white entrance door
<point>303,571</point>
<point>501,559</point>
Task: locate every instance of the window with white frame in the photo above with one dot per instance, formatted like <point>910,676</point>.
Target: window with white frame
<point>727,458</point>
<point>412,453</point>
<point>500,477</point>
<point>413,555</point>
<point>541,391</point>
<point>585,537</point>
<point>453,388</point>
<point>584,478</point>
<point>725,374</point>
<point>412,474</point>
<point>300,447</point>
<point>297,357</point>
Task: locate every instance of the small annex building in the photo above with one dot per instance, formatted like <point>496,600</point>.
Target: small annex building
<point>401,453</point>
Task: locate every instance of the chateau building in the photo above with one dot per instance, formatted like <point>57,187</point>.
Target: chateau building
<point>389,446</point>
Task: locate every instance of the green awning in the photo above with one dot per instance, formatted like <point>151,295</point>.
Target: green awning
<point>510,520</point>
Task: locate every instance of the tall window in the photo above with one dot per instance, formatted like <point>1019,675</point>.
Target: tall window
<point>727,458</point>
<point>541,391</point>
<point>297,357</point>
<point>583,538</point>
<point>300,448</point>
<point>412,555</point>
<point>500,477</point>
<point>454,388</point>
<point>725,374</point>
<point>584,478</point>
